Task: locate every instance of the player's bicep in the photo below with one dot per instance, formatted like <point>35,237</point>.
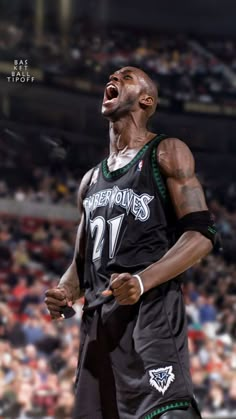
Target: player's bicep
<point>178,167</point>
<point>186,194</point>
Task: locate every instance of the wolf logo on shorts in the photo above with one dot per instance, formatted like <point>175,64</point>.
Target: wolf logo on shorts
<point>161,378</point>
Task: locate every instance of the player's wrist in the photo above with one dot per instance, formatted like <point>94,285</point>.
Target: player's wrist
<point>139,279</point>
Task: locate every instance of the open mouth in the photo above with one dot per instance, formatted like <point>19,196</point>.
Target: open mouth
<point>111,92</point>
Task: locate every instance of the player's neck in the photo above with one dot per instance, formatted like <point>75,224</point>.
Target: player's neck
<point>127,134</point>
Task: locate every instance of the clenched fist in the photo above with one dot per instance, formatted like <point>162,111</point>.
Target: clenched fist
<point>125,288</point>
<point>56,299</point>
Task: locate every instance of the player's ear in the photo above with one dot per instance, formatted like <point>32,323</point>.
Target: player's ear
<point>146,101</point>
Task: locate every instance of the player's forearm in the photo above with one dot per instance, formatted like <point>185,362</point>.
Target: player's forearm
<point>70,281</point>
<point>190,247</point>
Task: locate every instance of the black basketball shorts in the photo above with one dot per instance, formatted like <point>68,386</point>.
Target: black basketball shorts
<point>130,366</point>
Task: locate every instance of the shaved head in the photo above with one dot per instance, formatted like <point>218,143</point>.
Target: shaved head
<point>149,86</point>
<point>129,89</point>
<point>152,91</point>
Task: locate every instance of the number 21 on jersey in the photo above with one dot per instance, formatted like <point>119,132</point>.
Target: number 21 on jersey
<point>98,228</point>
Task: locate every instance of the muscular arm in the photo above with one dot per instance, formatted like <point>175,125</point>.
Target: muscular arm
<point>70,280</point>
<point>68,290</point>
<point>177,164</point>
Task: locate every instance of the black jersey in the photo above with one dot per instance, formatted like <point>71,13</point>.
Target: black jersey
<point>128,221</point>
<point>142,348</point>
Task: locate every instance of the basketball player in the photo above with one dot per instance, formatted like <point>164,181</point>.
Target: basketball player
<point>144,221</point>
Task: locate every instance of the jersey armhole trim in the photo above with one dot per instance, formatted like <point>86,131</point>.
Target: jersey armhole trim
<point>156,170</point>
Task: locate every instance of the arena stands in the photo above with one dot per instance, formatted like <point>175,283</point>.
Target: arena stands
<point>35,374</point>
<point>38,357</point>
<point>43,186</point>
<point>184,67</point>
<point>35,351</point>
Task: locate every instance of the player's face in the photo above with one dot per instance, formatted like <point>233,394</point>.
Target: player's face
<point>122,93</point>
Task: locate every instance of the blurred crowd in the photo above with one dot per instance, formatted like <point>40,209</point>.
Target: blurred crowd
<point>23,177</point>
<point>38,357</point>
<point>224,49</point>
<point>210,295</point>
<point>43,185</point>
<point>184,68</point>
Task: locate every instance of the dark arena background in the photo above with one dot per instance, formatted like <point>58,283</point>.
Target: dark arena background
<point>55,58</point>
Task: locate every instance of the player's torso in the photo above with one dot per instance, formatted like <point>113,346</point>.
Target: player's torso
<point>125,218</point>
<point>129,223</point>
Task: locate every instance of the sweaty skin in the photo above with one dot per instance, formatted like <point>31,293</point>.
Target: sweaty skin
<point>130,98</point>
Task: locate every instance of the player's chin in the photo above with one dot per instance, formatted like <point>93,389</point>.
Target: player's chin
<point>108,109</point>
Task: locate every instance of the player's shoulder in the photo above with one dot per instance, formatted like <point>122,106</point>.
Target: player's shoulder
<point>174,156</point>
<point>172,144</point>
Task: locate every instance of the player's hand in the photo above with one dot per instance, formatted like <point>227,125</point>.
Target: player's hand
<point>55,299</point>
<point>125,288</point>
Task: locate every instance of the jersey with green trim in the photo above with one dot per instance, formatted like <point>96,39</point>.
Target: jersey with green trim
<point>130,224</point>
<point>129,220</point>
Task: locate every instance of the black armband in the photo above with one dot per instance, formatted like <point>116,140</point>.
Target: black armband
<point>201,221</point>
